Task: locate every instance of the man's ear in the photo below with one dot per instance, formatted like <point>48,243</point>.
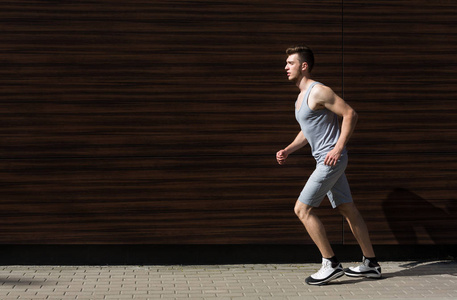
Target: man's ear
<point>304,66</point>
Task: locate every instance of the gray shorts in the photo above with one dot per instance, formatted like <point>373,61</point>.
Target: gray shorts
<point>330,181</point>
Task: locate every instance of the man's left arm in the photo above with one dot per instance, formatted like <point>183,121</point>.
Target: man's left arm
<point>334,103</point>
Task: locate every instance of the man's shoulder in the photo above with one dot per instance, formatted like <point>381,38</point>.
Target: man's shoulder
<point>322,90</point>
<point>321,94</point>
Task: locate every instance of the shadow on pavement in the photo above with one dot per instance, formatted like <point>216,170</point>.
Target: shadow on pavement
<point>424,268</point>
<point>413,269</point>
<point>21,281</point>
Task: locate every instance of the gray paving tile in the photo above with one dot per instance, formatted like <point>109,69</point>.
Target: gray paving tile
<point>403,280</point>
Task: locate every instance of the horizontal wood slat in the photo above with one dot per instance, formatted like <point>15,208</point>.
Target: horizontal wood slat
<point>222,200</point>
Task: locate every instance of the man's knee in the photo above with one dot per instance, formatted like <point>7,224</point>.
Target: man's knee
<point>302,210</point>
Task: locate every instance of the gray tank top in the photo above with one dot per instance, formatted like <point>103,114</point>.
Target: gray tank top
<point>320,127</point>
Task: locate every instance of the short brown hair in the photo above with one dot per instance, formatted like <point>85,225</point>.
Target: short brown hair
<point>304,53</point>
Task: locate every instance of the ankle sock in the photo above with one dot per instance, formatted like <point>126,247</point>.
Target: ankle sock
<point>373,262</point>
<point>335,261</point>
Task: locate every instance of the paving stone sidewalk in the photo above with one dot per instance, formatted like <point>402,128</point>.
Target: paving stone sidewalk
<point>402,280</point>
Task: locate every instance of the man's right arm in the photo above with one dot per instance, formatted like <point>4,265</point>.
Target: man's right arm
<point>299,142</point>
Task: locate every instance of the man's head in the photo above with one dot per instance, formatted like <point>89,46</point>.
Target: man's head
<point>300,59</point>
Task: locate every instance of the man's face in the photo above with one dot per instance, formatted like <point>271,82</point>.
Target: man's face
<point>293,67</point>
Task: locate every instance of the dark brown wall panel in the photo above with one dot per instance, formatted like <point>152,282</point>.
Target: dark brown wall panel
<point>155,122</point>
<point>405,199</point>
<point>400,73</point>
<point>136,79</point>
<point>225,200</point>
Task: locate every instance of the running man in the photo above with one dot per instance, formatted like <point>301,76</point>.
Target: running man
<point>317,109</point>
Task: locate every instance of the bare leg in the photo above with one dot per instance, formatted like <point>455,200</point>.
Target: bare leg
<point>314,227</point>
<point>358,227</point>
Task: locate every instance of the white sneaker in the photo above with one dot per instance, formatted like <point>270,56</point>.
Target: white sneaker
<point>366,269</point>
<point>326,273</point>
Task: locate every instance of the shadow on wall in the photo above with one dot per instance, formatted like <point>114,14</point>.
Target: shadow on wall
<point>414,220</point>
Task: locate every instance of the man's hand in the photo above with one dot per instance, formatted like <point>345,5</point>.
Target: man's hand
<point>281,156</point>
<point>332,157</point>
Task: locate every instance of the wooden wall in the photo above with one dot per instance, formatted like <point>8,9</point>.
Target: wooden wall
<point>400,73</point>
<point>153,122</point>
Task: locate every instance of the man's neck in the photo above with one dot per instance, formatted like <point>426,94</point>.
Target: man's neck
<point>302,83</point>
